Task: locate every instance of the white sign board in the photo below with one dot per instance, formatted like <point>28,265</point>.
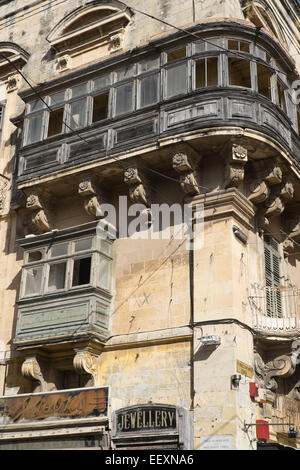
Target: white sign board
<point>217,442</point>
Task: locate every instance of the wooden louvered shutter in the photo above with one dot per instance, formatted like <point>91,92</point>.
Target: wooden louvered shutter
<point>272,275</point>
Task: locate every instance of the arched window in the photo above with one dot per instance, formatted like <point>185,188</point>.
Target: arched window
<point>94,30</point>
<point>261,15</point>
<point>11,58</point>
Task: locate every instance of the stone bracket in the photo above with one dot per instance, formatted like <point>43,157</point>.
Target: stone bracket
<point>234,165</point>
<point>31,369</point>
<point>187,174</point>
<point>85,362</point>
<point>139,192</point>
<point>40,211</point>
<point>92,197</point>
<point>281,366</point>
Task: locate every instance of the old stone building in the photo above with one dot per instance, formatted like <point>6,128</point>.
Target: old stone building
<point>145,339</point>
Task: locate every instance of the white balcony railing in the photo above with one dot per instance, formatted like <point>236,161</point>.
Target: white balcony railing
<point>275,308</point>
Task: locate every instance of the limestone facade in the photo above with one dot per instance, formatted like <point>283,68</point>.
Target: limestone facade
<point>168,105</point>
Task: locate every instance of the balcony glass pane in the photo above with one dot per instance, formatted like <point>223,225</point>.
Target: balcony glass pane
<point>78,114</point>
<point>102,82</point>
<point>149,90</point>
<point>79,90</point>
<point>177,54</point>
<point>239,72</point>
<point>35,129</point>
<point>176,80</point>
<point>264,81</point>
<point>34,256</point>
<point>57,275</point>
<point>59,250</point>
<point>33,280</point>
<point>84,244</point>
<point>124,99</point>
<point>149,64</point>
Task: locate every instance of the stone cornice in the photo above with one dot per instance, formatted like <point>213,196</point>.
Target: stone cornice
<point>223,204</point>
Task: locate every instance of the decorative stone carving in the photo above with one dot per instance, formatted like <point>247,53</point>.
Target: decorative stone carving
<point>183,166</point>
<point>91,194</point>
<point>288,246</point>
<point>259,191</point>
<point>281,366</point>
<point>273,176</point>
<point>274,206</point>
<point>115,41</point>
<point>13,83</point>
<point>138,190</point>
<point>40,214</point>
<point>63,63</point>
<point>234,168</point>
<point>294,228</point>
<point>4,188</point>
<point>32,371</point>
<point>85,362</point>
<point>239,153</point>
<point>286,191</point>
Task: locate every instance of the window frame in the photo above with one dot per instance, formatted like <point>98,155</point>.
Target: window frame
<point>95,252</point>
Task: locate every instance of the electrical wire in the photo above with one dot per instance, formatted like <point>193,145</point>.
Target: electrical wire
<point>189,33</point>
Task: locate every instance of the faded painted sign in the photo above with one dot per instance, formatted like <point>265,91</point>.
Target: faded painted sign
<point>244,369</point>
<point>76,403</point>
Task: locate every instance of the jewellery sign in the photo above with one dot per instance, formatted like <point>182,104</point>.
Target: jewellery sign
<point>77,403</point>
<point>146,418</point>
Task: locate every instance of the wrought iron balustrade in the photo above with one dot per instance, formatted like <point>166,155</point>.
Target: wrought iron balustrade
<point>275,307</point>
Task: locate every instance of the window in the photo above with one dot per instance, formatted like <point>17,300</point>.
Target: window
<point>64,266</point>
<point>272,277</point>
<point>100,107</point>
<point>124,99</point>
<point>176,54</point>
<point>239,72</point>
<point>234,45</point>
<point>264,76</point>
<point>281,95</point>
<point>55,125</point>
<point>206,72</point>
<point>176,80</point>
<point>137,85</point>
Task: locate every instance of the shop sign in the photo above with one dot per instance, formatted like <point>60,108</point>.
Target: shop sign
<point>244,369</point>
<point>146,418</point>
<point>78,403</point>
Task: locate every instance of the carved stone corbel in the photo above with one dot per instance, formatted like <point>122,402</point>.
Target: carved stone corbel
<point>63,63</point>
<point>286,192</point>
<point>273,176</point>
<point>281,366</point>
<point>234,167</point>
<point>288,246</point>
<point>31,370</point>
<point>40,212</point>
<point>294,229</point>
<point>274,206</point>
<point>259,192</point>
<point>91,194</point>
<point>138,188</point>
<point>183,166</point>
<point>85,362</point>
